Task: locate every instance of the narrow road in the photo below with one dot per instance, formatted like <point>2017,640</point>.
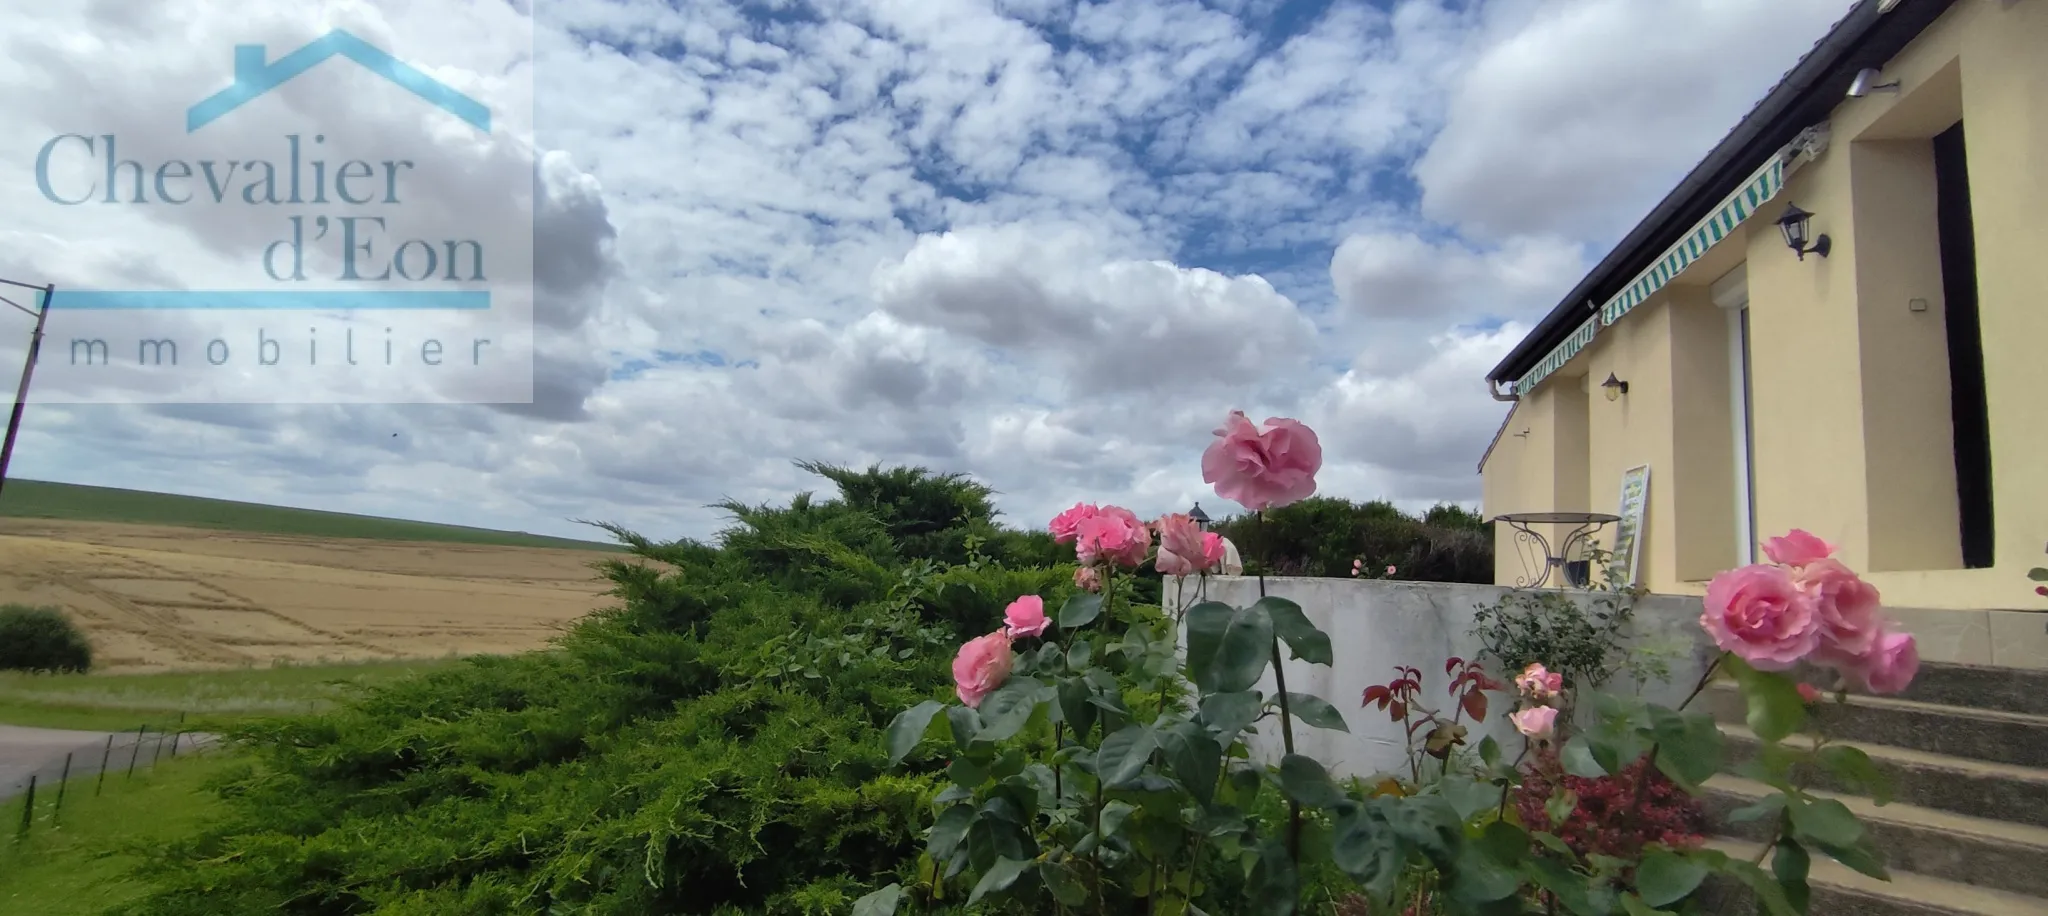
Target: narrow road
<point>39,752</point>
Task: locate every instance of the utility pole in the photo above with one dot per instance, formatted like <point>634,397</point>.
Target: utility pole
<point>28,368</point>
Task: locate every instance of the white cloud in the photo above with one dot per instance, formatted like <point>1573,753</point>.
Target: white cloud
<point>1048,244</point>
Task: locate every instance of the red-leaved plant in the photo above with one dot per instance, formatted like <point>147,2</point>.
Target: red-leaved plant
<point>1609,819</point>
<point>1397,698</point>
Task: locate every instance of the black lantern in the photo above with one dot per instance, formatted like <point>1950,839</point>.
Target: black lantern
<point>1794,225</point>
<point>1201,518</point>
<point>1615,387</point>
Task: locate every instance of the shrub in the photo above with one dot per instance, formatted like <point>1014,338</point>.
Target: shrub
<point>1607,820</point>
<point>1323,535</point>
<point>41,639</point>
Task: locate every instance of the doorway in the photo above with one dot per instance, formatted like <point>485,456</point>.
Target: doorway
<point>1731,293</point>
<point>1968,402</point>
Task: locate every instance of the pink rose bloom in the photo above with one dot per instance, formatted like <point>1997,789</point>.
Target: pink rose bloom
<point>1026,616</point>
<point>982,666</point>
<point>1797,548</point>
<point>1889,666</point>
<point>1263,467</point>
<point>1538,682</point>
<point>1067,524</point>
<point>1180,546</point>
<point>1087,579</point>
<point>1536,721</point>
<point>1809,694</point>
<point>1390,572</point>
<point>1761,615</point>
<point>1847,605</point>
<point>1212,550</point>
<point>1113,534</point>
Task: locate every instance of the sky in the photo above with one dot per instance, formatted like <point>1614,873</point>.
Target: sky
<point>1046,244</point>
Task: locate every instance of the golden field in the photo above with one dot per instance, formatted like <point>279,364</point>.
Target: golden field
<point>167,598</point>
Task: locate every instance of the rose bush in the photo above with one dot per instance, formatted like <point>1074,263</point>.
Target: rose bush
<point>1097,772</point>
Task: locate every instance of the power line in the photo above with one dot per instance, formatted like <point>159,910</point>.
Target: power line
<point>28,367</point>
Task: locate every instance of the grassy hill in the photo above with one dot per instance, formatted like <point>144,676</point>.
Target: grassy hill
<point>71,502</point>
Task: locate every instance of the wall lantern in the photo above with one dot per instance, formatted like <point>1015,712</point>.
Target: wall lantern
<point>1615,387</point>
<point>1794,225</point>
<point>1201,518</point>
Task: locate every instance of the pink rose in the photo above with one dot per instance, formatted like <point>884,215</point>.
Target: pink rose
<point>1538,682</point>
<point>1087,579</point>
<point>1536,721</point>
<point>1761,615</point>
<point>1180,546</point>
<point>1809,694</point>
<point>1026,616</point>
<point>1263,467</point>
<point>1067,524</point>
<point>982,666</point>
<point>1889,666</point>
<point>1797,548</point>
<point>1847,606</point>
<point>1212,550</point>
<point>1113,534</point>
<point>1390,572</point>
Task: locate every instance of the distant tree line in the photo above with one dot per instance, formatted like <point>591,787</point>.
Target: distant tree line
<point>1323,535</point>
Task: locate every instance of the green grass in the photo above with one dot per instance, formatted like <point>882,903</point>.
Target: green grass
<point>71,502</point>
<point>80,865</point>
<point>124,702</point>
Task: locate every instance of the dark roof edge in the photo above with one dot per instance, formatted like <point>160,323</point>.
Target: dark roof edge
<point>1865,36</point>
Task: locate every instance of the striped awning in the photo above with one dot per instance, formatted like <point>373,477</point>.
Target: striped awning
<point>1740,205</point>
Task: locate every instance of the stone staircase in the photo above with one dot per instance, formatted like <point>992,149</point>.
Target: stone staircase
<point>1966,831</point>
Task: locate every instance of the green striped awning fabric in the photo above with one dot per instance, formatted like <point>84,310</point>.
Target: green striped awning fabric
<point>1755,192</point>
<point>1558,357</point>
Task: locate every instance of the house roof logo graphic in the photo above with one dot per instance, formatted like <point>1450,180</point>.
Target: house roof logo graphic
<point>254,77</point>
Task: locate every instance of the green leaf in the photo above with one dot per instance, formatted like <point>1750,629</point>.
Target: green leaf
<point>948,831</point>
<point>1305,781</point>
<point>1635,907</point>
<point>1572,889</point>
<point>1228,714</point>
<point>1768,890</point>
<point>1074,694</point>
<point>999,878</point>
<point>1079,654</point>
<point>1863,856</point>
<point>1790,863</point>
<point>1113,816</point>
<point>1123,755</point>
<point>1080,611</point>
<point>1228,648</point>
<point>1065,885</point>
<point>1004,712</point>
<point>1316,711</point>
<point>1664,878</point>
<point>1489,752</point>
<point>1468,797</point>
<point>1275,885</point>
<point>1775,709</point>
<point>1196,759</point>
<point>1364,846</point>
<point>1577,758</point>
<point>1483,875</point>
<point>965,772</point>
<point>1826,822</point>
<point>1292,626</point>
<point>965,723</point>
<point>880,903</point>
<point>1767,806</point>
<point>1688,747</point>
<point>1856,768</point>
<point>2038,574</point>
<point>908,728</point>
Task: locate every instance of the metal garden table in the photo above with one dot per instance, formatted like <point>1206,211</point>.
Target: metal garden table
<point>1583,526</point>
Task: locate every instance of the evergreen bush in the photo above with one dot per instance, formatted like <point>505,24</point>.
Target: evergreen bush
<point>41,639</point>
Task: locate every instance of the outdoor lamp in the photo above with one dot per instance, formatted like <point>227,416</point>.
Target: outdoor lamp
<point>1794,225</point>
<point>1201,518</point>
<point>1615,387</point>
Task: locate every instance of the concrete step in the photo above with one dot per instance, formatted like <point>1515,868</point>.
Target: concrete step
<point>1840,891</point>
<point>1935,844</point>
<point>2022,690</point>
<point>1979,734</point>
<point>1974,788</point>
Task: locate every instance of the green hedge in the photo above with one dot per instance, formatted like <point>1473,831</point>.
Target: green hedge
<point>1322,535</point>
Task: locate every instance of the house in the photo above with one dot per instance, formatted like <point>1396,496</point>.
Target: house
<point>1883,385</point>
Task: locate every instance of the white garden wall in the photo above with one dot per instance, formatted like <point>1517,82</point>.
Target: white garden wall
<point>1377,625</point>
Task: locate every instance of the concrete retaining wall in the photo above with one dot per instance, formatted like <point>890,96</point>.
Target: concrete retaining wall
<point>1376,625</point>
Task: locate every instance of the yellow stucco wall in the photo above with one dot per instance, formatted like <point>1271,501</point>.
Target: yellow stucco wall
<point>1850,413</point>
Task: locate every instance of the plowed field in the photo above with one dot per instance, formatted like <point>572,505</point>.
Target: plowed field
<point>162,598</point>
